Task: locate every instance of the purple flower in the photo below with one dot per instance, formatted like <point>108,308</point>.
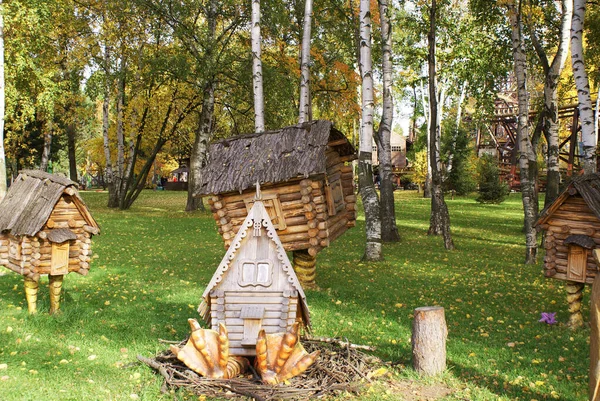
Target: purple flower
<point>548,317</point>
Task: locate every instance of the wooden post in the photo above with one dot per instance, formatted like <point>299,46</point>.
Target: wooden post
<point>574,296</point>
<point>31,291</point>
<point>55,286</point>
<point>429,340</point>
<point>594,385</point>
<point>305,266</point>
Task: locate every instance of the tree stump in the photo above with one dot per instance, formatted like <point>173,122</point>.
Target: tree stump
<point>429,340</point>
<point>574,296</point>
<point>305,267</point>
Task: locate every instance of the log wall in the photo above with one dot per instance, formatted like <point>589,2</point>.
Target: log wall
<point>304,205</point>
<point>572,217</point>
<point>4,249</point>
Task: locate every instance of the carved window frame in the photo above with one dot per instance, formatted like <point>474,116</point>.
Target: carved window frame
<point>253,281</point>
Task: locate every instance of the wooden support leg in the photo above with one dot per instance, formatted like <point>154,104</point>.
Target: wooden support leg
<point>594,384</point>
<point>305,267</point>
<point>31,291</point>
<point>574,296</point>
<point>55,290</point>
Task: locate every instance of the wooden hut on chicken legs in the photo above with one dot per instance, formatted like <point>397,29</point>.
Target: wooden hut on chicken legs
<point>306,181</point>
<point>45,228</point>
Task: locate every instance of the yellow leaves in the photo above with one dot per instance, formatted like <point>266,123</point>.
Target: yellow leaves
<point>9,329</point>
<point>377,373</point>
<point>91,357</point>
<point>3,366</point>
<point>63,362</point>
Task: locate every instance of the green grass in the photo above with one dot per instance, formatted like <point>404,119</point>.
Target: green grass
<point>154,261</point>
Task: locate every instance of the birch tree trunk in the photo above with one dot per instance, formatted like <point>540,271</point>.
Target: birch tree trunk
<point>200,150</point>
<point>586,113</point>
<point>259,102</point>
<point>527,158</point>
<point>440,217</point>
<point>71,150</point>
<point>427,185</point>
<point>365,167</point>
<point>115,198</point>
<point>550,120</point>
<point>2,107</point>
<point>389,230</point>
<point>105,118</point>
<point>198,158</point>
<point>305,113</point>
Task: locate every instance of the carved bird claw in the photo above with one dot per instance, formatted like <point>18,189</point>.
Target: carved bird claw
<point>207,353</point>
<point>280,356</point>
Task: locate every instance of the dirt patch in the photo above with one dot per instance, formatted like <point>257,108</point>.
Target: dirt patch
<point>412,391</point>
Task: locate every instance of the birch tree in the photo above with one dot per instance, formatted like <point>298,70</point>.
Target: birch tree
<point>389,230</point>
<point>440,217</point>
<point>305,113</point>
<point>365,168</point>
<point>2,100</point>
<point>527,156</point>
<point>586,113</point>
<point>259,102</point>
<point>552,71</point>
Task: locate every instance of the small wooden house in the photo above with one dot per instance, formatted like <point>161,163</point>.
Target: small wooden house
<point>572,224</point>
<point>45,228</point>
<point>307,187</point>
<point>255,286</point>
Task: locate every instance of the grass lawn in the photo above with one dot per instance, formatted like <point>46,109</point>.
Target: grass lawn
<point>153,263</point>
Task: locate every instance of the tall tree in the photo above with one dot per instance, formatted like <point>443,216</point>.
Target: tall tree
<point>527,156</point>
<point>440,217</point>
<point>2,100</point>
<point>257,74</point>
<point>389,230</point>
<point>586,112</point>
<point>365,167</point>
<point>305,112</point>
<point>552,71</point>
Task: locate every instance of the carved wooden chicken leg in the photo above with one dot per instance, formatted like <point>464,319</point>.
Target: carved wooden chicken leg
<point>207,353</point>
<point>280,356</point>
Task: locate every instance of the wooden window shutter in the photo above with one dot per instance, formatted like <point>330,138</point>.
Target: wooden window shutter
<point>577,264</point>
<point>60,259</point>
<point>273,206</point>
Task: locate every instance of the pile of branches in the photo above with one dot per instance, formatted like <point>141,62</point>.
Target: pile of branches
<point>341,367</point>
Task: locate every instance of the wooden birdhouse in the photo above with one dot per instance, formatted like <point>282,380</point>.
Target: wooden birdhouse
<point>255,286</point>
<point>45,228</point>
<point>572,225</point>
<point>307,186</point>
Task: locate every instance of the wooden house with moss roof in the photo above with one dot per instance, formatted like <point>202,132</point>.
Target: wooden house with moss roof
<point>306,180</point>
<point>45,228</point>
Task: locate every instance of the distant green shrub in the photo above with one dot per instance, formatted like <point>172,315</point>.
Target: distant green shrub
<point>491,188</point>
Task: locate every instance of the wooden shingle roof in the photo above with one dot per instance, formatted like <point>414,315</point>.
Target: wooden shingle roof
<point>30,201</point>
<point>237,163</point>
<point>588,186</point>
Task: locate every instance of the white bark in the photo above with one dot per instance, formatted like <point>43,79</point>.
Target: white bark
<point>597,114</point>
<point>305,113</point>
<point>105,120</point>
<point>461,99</point>
<point>425,102</point>
<point>366,186</point>
<point>527,156</point>
<point>2,100</point>
<point>259,102</point>
<point>586,114</point>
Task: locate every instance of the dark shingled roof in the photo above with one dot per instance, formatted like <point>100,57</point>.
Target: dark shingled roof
<point>30,201</point>
<point>588,186</point>
<point>60,235</point>
<point>237,163</point>
<point>582,240</point>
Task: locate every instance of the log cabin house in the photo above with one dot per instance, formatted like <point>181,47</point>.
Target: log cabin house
<point>572,225</point>
<point>307,186</point>
<point>255,286</point>
<point>45,228</point>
